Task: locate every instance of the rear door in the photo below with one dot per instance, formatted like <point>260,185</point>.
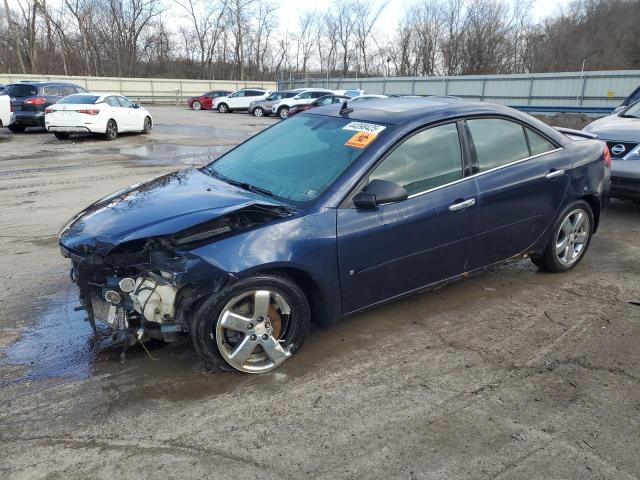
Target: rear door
<point>399,247</point>
<point>521,178</point>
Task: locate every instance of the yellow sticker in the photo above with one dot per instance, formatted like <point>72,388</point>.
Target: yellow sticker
<point>361,140</point>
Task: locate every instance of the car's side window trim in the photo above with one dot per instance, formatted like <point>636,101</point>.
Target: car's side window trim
<point>347,201</point>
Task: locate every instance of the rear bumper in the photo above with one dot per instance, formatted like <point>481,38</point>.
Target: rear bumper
<point>29,118</point>
<point>625,188</point>
<point>68,129</point>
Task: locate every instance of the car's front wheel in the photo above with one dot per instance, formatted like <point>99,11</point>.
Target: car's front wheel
<point>283,112</point>
<point>61,135</point>
<point>146,127</point>
<point>570,240</point>
<point>258,112</point>
<point>223,108</point>
<point>253,325</point>
<point>196,105</point>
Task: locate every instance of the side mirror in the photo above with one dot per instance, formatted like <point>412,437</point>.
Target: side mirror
<point>618,109</point>
<point>135,105</point>
<point>379,192</point>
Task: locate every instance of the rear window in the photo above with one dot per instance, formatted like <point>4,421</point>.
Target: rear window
<point>80,99</point>
<point>20,90</point>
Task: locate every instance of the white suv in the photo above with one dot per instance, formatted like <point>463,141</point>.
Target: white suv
<point>239,100</point>
<point>308,95</point>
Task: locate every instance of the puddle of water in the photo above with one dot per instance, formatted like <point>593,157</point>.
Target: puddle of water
<point>166,154</point>
<point>57,346</point>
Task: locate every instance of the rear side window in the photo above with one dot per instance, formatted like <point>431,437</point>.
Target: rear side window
<point>20,90</point>
<point>125,102</point>
<point>538,144</point>
<point>112,101</point>
<point>53,90</point>
<point>82,99</point>
<point>426,160</point>
<point>497,142</point>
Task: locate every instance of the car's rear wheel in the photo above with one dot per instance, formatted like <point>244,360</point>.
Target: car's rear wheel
<point>258,112</point>
<point>223,108</point>
<point>146,128</point>
<point>283,112</point>
<point>570,240</point>
<point>111,133</point>
<point>196,105</point>
<point>253,325</point>
<point>17,128</point>
<point>61,135</point>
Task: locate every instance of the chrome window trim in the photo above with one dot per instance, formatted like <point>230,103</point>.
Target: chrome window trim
<point>475,175</point>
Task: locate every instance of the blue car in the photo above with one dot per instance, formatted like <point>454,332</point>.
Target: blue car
<point>331,212</point>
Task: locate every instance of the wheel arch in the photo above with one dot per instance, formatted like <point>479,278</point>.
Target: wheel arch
<point>594,203</point>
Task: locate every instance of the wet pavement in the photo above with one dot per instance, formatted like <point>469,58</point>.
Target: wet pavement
<point>510,374</point>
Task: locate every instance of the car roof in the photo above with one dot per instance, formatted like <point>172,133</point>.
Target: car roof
<point>396,111</point>
<point>42,83</point>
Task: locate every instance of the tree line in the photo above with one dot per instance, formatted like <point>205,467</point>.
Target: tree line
<point>248,39</point>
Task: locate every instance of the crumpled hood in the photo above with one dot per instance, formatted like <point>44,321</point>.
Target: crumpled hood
<point>161,206</point>
<point>615,128</point>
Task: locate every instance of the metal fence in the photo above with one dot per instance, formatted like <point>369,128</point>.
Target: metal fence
<point>146,90</point>
<point>572,91</point>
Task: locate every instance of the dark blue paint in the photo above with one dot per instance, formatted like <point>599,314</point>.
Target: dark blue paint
<point>358,258</point>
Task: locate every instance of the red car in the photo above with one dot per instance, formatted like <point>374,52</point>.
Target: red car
<point>205,100</point>
<point>326,100</point>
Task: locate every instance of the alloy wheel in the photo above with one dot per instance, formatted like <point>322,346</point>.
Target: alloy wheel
<point>572,237</point>
<point>258,112</point>
<point>196,105</point>
<point>250,328</point>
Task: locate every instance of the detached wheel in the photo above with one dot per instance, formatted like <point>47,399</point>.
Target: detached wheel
<point>146,128</point>
<point>111,132</point>
<point>17,128</point>
<point>254,325</point>
<point>223,108</point>
<point>196,105</point>
<point>61,135</point>
<point>258,112</point>
<point>570,240</point>
<point>283,112</point>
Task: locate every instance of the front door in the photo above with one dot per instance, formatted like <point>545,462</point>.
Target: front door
<point>396,248</point>
<point>521,181</point>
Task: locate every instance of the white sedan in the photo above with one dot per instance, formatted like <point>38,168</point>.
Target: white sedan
<point>107,114</point>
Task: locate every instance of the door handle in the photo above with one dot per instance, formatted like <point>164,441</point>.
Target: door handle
<point>456,207</point>
<point>554,174</point>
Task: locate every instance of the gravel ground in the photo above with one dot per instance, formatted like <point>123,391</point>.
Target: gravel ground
<point>511,374</point>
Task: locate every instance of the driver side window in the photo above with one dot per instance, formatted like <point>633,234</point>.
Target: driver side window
<point>426,160</point>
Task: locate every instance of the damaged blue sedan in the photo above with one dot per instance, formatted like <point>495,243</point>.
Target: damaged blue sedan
<point>331,212</point>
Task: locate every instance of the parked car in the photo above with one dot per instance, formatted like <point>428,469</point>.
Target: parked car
<point>326,100</point>
<point>6,111</point>
<point>307,95</point>
<point>329,213</point>
<point>631,99</point>
<point>239,100</point>
<point>260,108</point>
<point>2,87</point>
<point>30,99</point>
<point>205,101</point>
<point>621,131</point>
<point>362,98</point>
<point>104,113</point>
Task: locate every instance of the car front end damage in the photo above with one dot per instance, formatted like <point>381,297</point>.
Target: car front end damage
<point>139,263</point>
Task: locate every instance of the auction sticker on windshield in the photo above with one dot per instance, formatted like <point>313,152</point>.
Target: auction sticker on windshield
<point>361,140</point>
<point>364,127</point>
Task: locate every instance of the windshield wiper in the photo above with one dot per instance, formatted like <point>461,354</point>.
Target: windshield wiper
<point>243,185</point>
<point>626,115</point>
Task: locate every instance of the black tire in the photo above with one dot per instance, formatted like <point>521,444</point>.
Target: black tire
<point>550,261</point>
<point>223,108</point>
<point>258,112</point>
<point>147,125</point>
<point>61,135</point>
<point>283,112</point>
<point>206,316</point>
<point>196,105</point>
<point>17,128</point>
<point>111,133</point>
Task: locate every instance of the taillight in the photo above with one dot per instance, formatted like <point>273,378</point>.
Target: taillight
<point>10,107</point>
<point>34,101</point>
<point>92,111</point>
<point>607,156</point>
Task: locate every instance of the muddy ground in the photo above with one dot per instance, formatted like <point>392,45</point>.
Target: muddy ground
<point>511,374</point>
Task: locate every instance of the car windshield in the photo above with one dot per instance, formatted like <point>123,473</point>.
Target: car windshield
<point>633,111</point>
<point>80,99</point>
<point>21,90</point>
<point>295,160</point>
